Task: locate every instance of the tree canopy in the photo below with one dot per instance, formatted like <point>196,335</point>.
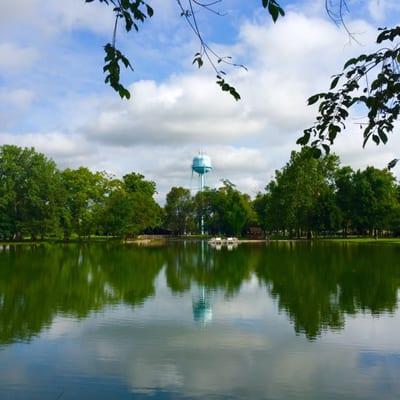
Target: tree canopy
<point>308,197</point>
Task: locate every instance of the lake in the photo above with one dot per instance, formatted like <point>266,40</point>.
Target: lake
<point>282,320</point>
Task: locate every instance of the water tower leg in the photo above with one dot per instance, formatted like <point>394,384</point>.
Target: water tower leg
<point>202,211</point>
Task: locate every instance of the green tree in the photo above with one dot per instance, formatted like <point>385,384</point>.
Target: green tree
<point>179,216</point>
<point>375,194</point>
<point>131,209</point>
<point>226,210</point>
<point>345,197</point>
<point>29,193</point>
<point>85,192</point>
<point>260,209</point>
<point>297,197</point>
<point>237,212</point>
<point>135,182</point>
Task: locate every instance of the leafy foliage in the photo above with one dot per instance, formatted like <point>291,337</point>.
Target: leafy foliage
<point>226,210</point>
<point>38,200</point>
<point>274,9</point>
<point>315,196</point>
<point>179,213</point>
<point>379,96</point>
<point>113,59</point>
<point>29,193</point>
<point>309,196</point>
<point>133,12</point>
<point>298,199</point>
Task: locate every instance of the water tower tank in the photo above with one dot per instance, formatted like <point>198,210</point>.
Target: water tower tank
<point>201,164</point>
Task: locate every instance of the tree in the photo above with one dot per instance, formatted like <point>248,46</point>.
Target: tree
<point>179,217</point>
<point>298,199</point>
<point>226,210</point>
<point>345,197</point>
<point>29,193</point>
<point>260,208</point>
<point>237,212</point>
<point>375,192</point>
<point>84,192</point>
<point>131,208</point>
<point>135,182</point>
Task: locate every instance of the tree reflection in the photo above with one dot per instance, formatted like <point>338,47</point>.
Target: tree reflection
<point>316,285</point>
<point>40,282</point>
<point>224,270</point>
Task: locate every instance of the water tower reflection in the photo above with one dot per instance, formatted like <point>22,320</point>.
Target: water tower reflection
<point>202,310</point>
<point>201,304</point>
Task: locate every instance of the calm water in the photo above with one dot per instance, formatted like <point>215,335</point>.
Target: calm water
<point>277,321</point>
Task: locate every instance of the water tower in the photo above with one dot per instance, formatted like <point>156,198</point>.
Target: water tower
<point>201,165</point>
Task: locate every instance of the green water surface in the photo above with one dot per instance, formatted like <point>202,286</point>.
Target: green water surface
<point>187,321</point>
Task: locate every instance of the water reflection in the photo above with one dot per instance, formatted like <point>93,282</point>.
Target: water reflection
<point>202,309</point>
<point>39,282</point>
<point>315,286</point>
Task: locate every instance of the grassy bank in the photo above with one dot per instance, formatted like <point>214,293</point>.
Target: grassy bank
<point>362,240</point>
<point>104,239</point>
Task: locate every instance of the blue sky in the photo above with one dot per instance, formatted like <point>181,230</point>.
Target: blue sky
<point>52,94</point>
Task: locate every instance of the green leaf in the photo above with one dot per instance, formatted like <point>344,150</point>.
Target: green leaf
<point>392,163</point>
<point>383,137</point>
<point>326,148</point>
<point>350,62</point>
<point>316,152</point>
<point>150,11</point>
<point>274,9</point>
<point>304,139</point>
<point>125,4</point>
<point>225,87</point>
<point>234,93</point>
<point>335,82</point>
<point>313,99</point>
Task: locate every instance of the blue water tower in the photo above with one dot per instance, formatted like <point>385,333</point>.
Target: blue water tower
<point>201,165</point>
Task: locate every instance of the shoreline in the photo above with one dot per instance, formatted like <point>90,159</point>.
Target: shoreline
<point>166,240</point>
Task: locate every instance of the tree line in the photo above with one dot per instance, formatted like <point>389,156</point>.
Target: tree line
<point>308,197</point>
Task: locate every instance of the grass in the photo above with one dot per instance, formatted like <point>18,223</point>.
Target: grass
<point>100,239</point>
<point>362,240</point>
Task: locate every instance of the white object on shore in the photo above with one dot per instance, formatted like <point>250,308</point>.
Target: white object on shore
<point>220,241</point>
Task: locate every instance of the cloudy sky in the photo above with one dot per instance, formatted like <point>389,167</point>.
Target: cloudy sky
<point>52,94</point>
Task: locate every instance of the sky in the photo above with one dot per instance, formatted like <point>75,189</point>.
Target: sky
<point>53,96</point>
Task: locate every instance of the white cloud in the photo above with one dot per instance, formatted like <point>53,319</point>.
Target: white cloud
<point>51,16</point>
<point>14,57</point>
<point>18,98</point>
<point>379,9</point>
<point>168,121</point>
<point>185,109</point>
